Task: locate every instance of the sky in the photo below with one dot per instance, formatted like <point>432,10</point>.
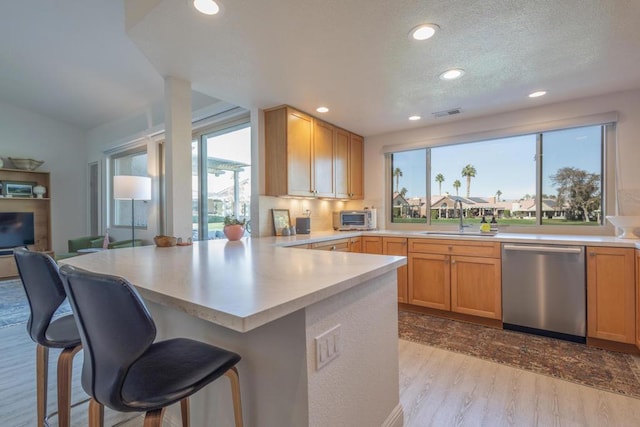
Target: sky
<point>506,164</point>
<point>234,145</point>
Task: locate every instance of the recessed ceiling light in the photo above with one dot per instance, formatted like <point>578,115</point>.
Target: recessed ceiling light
<point>423,31</point>
<point>414,118</point>
<point>208,7</point>
<point>537,94</point>
<point>322,110</point>
<point>454,73</point>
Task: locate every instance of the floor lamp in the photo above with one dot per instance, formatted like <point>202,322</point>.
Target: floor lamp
<point>126,187</point>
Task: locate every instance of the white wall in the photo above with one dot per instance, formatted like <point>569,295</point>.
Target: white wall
<point>63,149</point>
<point>627,104</point>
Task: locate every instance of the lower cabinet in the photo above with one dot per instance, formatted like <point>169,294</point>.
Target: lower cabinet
<point>611,294</point>
<point>338,245</point>
<point>459,276</point>
<point>398,246</point>
<point>372,245</point>
<point>355,244</point>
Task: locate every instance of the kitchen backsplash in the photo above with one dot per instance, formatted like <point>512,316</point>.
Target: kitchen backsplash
<point>321,211</point>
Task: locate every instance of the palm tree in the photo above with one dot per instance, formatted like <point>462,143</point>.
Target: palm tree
<point>403,192</point>
<point>397,173</point>
<point>457,184</point>
<point>439,180</point>
<point>498,194</point>
<point>469,172</point>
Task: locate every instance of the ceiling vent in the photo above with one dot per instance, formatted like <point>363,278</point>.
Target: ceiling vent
<point>446,113</point>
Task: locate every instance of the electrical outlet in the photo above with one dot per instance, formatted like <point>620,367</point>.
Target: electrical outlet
<point>328,346</point>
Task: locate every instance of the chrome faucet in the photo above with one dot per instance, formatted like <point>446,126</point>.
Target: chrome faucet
<point>462,226</point>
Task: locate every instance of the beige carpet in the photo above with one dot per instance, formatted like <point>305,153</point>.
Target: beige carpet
<point>606,370</point>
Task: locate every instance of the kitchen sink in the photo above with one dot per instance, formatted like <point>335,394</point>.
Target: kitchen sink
<point>460,233</point>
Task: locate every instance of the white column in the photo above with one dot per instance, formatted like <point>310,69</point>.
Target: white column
<point>177,100</point>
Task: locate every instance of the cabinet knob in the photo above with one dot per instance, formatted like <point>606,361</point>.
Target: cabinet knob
<point>450,248</point>
<point>333,248</point>
<point>453,261</point>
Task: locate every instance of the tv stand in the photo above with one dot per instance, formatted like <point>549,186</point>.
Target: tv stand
<point>41,209</point>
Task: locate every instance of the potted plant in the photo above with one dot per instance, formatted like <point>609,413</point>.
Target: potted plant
<point>233,227</point>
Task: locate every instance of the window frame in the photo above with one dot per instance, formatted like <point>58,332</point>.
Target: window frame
<point>608,178</point>
<point>113,157</point>
<point>200,136</point>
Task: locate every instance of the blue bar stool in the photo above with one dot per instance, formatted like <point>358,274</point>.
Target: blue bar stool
<point>45,293</point>
<point>124,369</point>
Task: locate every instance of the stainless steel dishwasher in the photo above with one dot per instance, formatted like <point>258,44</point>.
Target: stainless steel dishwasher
<point>544,290</point>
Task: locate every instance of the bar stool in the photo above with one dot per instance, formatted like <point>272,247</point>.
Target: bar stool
<point>45,293</point>
<point>124,369</point>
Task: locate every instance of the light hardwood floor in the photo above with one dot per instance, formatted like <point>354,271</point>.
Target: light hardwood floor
<point>437,388</point>
<point>441,388</point>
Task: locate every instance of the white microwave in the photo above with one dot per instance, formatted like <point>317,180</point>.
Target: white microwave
<point>355,220</point>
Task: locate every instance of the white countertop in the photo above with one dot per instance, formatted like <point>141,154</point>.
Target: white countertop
<point>240,285</point>
<point>557,239</point>
<point>243,285</point>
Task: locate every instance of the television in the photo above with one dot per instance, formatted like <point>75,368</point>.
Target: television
<point>17,229</point>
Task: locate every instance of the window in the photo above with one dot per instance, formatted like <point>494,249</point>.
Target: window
<point>547,178</point>
<point>223,187</point>
<point>132,162</point>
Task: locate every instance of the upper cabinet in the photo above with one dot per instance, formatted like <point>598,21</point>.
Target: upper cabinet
<point>308,157</point>
<point>349,165</point>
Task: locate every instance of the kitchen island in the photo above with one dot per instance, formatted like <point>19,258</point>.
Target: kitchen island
<point>269,304</point>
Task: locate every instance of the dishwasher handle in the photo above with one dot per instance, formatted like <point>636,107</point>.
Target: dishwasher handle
<point>554,249</point>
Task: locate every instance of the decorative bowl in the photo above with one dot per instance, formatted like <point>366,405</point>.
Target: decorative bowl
<point>165,241</point>
<point>627,223</point>
<point>26,164</point>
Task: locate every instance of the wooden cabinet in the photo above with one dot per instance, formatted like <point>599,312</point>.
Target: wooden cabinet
<point>476,286</point>
<point>349,165</point>
<point>308,157</point>
<point>338,245</point>
<point>355,244</point>
<point>398,246</point>
<point>459,276</point>
<point>372,245</point>
<point>41,213</point>
<point>288,152</point>
<point>611,294</point>
<point>323,159</point>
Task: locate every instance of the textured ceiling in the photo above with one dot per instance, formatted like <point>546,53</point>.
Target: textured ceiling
<point>73,61</point>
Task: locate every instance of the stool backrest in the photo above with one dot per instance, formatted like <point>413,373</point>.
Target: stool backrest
<point>115,329</point>
<point>44,289</point>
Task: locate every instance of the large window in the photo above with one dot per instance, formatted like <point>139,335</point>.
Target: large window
<point>221,178</point>
<point>548,178</point>
<point>132,162</point>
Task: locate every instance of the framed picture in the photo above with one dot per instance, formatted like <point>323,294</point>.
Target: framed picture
<point>17,189</point>
<point>280,220</point>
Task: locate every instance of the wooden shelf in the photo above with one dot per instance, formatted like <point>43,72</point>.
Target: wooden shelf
<point>41,209</point>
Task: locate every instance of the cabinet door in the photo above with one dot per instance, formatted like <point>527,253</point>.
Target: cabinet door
<point>611,294</point>
<point>299,154</point>
<point>338,245</point>
<point>342,164</point>
<point>429,280</point>
<point>398,246</point>
<point>372,245</point>
<point>476,286</point>
<point>323,159</point>
<point>355,244</point>
<point>356,167</point>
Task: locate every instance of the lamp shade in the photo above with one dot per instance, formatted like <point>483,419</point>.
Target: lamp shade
<point>131,187</point>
